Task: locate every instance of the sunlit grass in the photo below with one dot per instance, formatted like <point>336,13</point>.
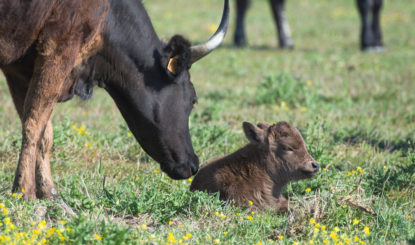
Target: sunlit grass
<point>356,112</point>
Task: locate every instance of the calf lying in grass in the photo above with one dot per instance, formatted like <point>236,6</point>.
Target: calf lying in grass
<point>259,171</point>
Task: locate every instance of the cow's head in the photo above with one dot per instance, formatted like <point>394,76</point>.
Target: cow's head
<point>157,110</point>
<point>286,155</point>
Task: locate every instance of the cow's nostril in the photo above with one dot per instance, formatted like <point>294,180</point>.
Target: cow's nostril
<point>194,165</point>
<point>315,166</point>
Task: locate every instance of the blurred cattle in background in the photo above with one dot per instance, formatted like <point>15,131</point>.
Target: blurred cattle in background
<point>369,10</point>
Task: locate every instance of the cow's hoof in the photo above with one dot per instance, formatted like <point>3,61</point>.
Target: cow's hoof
<point>239,41</point>
<point>29,196</point>
<point>49,192</point>
<point>287,46</point>
<point>374,49</point>
<point>28,192</point>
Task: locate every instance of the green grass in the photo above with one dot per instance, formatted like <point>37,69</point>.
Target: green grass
<point>356,112</point>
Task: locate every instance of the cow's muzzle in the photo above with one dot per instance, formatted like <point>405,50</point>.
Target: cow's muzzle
<point>182,171</point>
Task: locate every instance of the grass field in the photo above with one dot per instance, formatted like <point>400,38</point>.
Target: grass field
<point>356,112</point>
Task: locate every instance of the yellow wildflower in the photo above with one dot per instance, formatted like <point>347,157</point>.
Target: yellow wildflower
<point>318,225</point>
<point>250,202</point>
<point>349,173</point>
<point>216,241</point>
<point>222,216</point>
<point>325,241</point>
<point>355,221</point>
<point>23,190</point>
<point>171,238</point>
<point>356,239</point>
<point>98,237</point>
<point>170,222</point>
<point>129,134</point>
<point>312,221</point>
<point>366,230</point>
<point>250,217</point>
<point>333,235</point>
<point>336,229</point>
<point>155,171</point>
<point>308,190</point>
<point>190,180</point>
<point>41,225</point>
<point>311,242</point>
<point>212,28</point>
<point>188,235</point>
<point>225,233</point>
<point>316,230</point>
<point>144,227</point>
<point>237,214</point>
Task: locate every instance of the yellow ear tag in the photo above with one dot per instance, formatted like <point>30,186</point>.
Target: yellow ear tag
<point>172,65</point>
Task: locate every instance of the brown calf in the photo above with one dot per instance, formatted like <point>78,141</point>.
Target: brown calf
<point>40,43</point>
<point>258,172</point>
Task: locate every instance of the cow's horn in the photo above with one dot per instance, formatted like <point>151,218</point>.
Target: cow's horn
<point>201,50</point>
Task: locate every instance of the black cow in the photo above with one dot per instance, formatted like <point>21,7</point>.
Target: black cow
<point>51,50</point>
<point>371,35</point>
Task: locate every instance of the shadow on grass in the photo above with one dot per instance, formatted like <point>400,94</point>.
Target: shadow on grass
<point>404,144</point>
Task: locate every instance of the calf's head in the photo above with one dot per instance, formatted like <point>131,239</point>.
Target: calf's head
<point>287,158</point>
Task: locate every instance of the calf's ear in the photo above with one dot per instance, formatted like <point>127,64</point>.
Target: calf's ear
<point>254,134</point>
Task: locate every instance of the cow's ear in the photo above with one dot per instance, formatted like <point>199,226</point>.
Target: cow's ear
<point>254,134</point>
<point>177,52</point>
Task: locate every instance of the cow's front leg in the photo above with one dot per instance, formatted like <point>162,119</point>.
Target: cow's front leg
<point>44,182</point>
<point>376,29</point>
<point>367,40</point>
<point>43,93</point>
<point>283,29</point>
<point>241,8</point>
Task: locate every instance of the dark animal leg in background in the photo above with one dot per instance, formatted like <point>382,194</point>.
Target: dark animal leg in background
<point>377,32</point>
<point>367,40</point>
<point>283,29</point>
<point>241,8</point>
